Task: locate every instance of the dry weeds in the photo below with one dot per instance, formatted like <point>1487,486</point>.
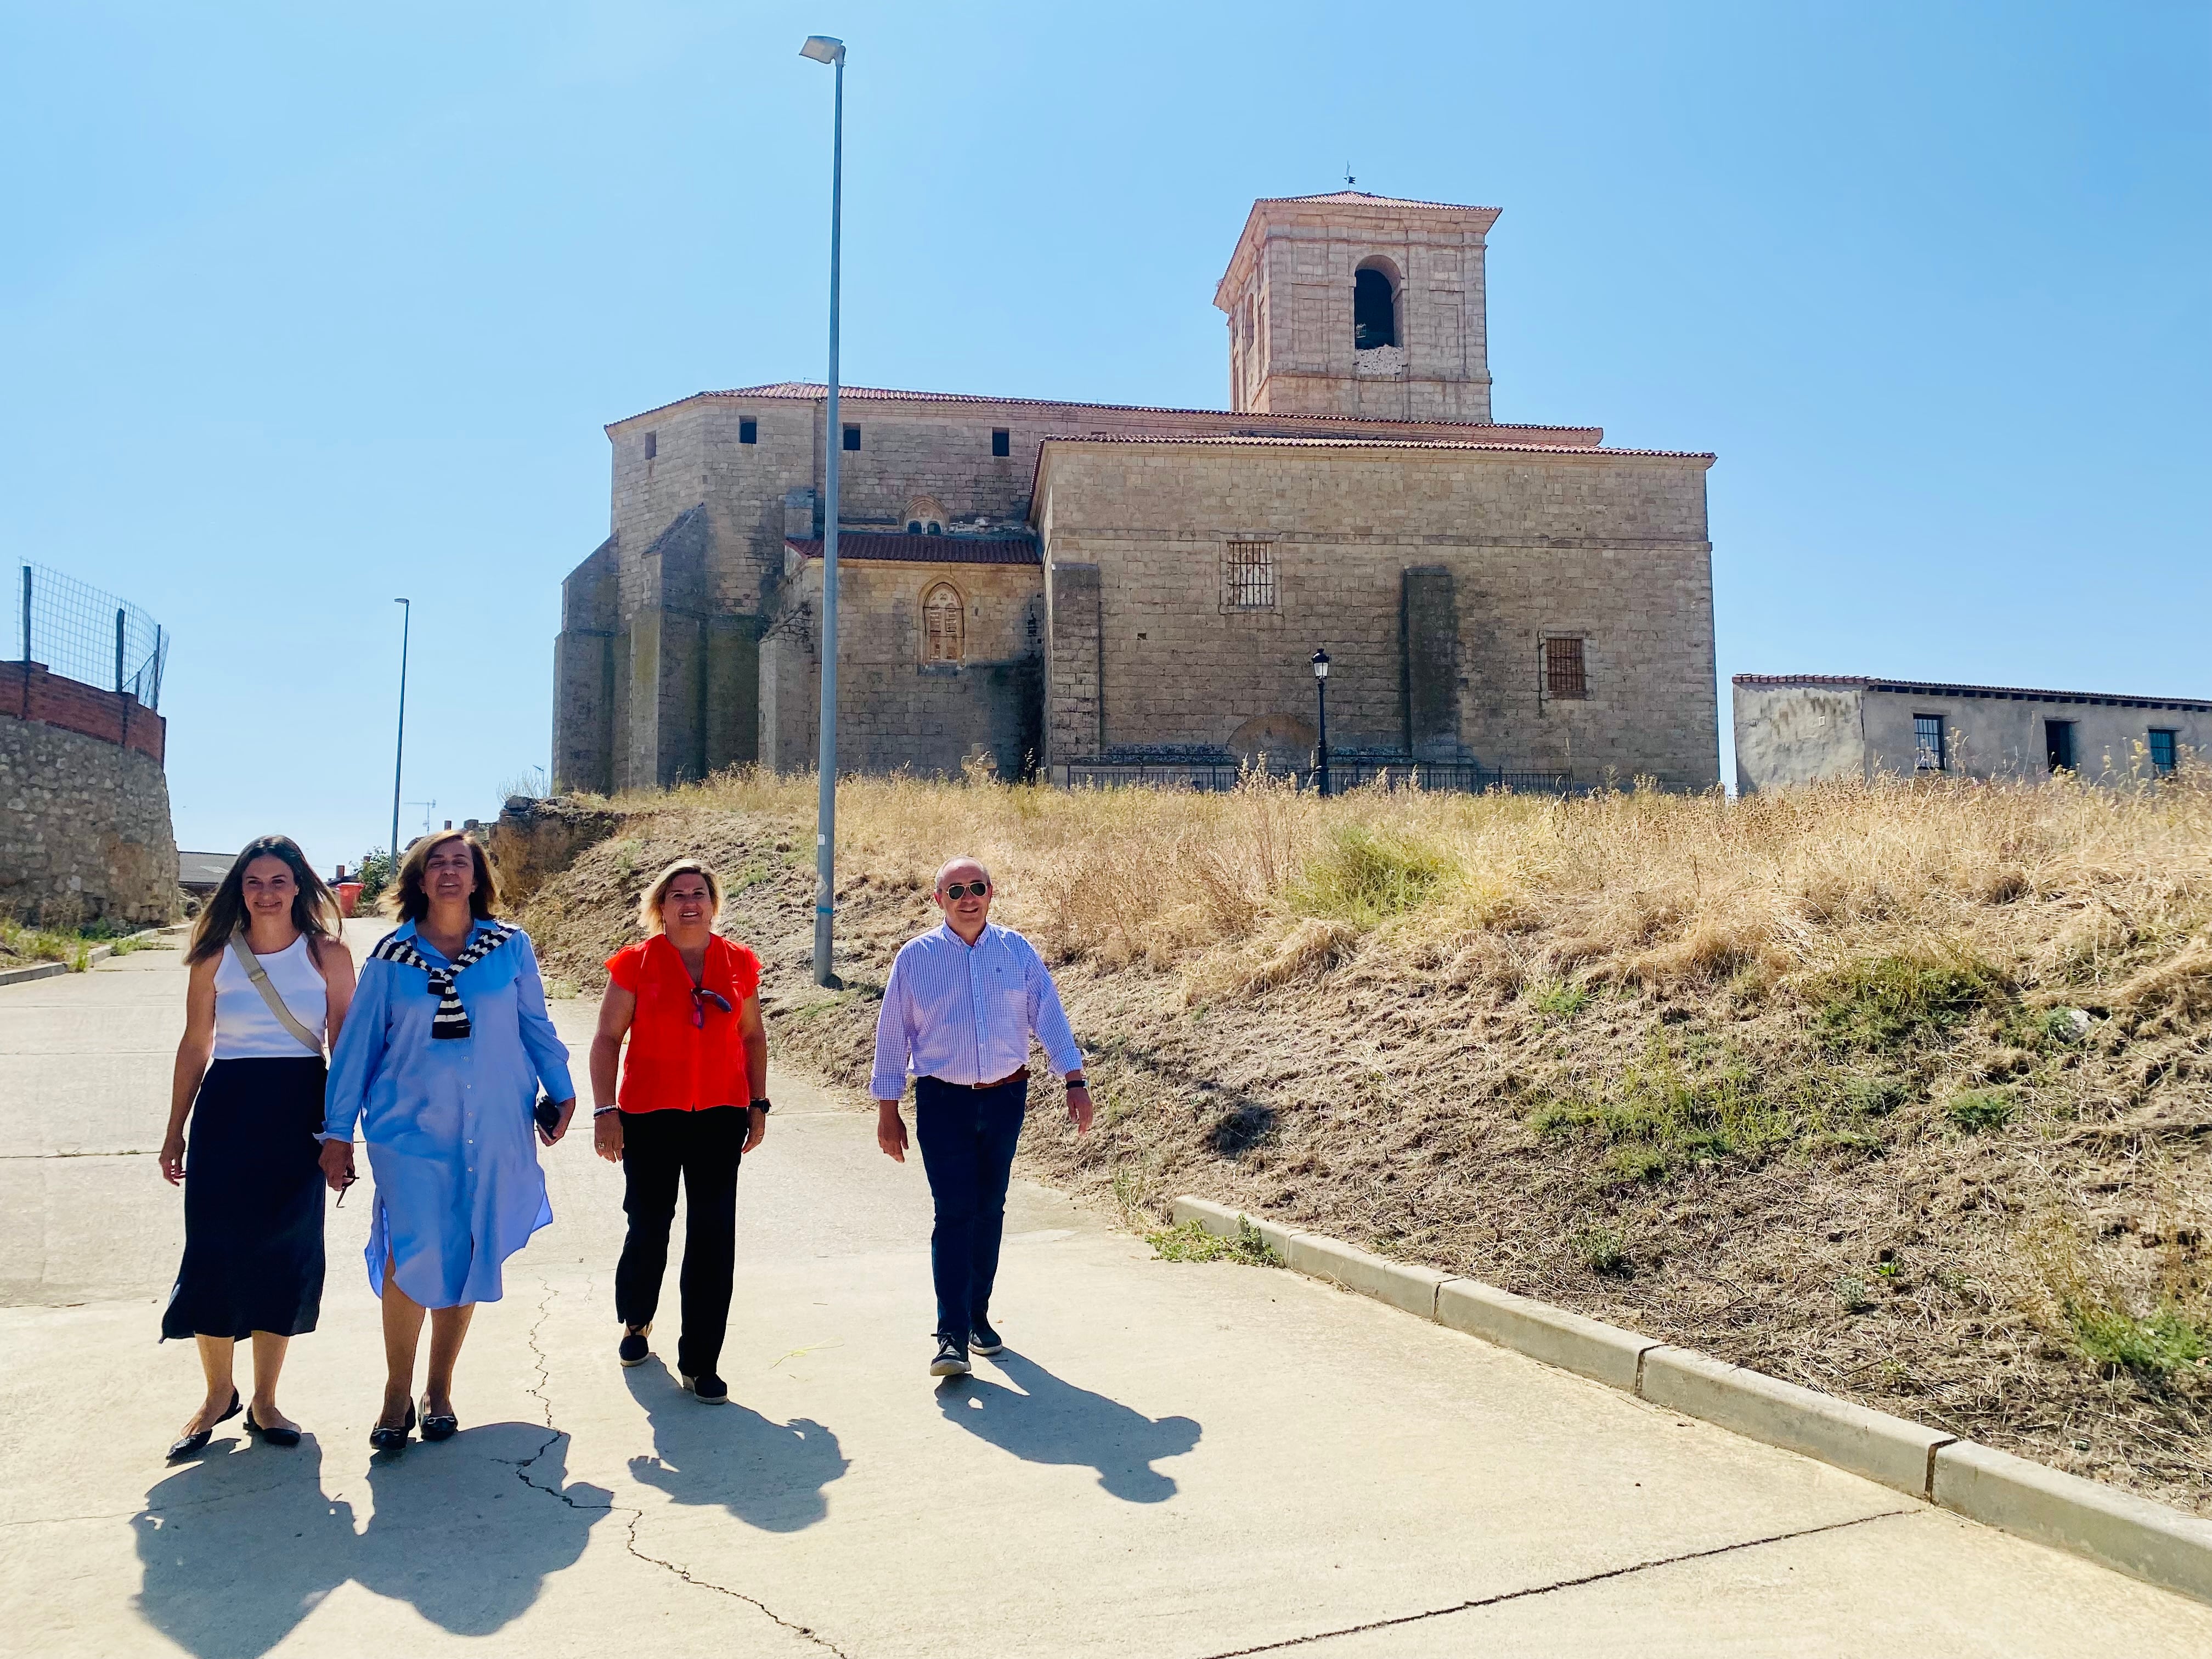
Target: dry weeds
<point>1903,1092</point>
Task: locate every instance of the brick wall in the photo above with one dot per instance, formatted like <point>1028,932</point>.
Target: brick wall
<point>28,691</point>
<point>1610,547</point>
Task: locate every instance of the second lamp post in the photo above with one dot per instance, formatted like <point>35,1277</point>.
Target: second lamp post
<point>1321,696</point>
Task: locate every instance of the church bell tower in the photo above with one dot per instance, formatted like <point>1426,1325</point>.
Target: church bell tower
<point>1353,304</point>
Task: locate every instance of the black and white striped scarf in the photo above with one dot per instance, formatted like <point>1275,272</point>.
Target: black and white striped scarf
<point>451,1020</point>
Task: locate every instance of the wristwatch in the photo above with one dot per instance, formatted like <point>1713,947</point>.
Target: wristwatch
<point>1077,1082</point>
<point>761,1104</point>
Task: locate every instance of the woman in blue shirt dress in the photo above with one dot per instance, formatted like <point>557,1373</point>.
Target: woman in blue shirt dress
<point>440,1063</point>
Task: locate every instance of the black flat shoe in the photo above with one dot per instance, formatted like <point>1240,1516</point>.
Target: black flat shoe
<point>274,1437</point>
<point>193,1443</point>
<point>392,1439</point>
<point>438,1425</point>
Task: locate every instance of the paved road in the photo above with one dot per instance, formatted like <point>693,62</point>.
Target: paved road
<point>1170,1460</point>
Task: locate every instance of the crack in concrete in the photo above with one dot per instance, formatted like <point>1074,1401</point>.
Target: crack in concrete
<point>636,1516</point>
<point>1561,1584</point>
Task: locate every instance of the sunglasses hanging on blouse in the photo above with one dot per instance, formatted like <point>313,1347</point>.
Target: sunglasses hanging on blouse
<point>700,996</point>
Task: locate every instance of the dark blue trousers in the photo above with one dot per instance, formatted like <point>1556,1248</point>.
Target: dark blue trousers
<point>968,1138</point>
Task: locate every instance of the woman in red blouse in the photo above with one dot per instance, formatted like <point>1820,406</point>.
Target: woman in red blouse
<point>693,1102</point>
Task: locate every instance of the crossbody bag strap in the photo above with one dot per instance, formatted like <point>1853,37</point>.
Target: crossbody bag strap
<point>251,966</point>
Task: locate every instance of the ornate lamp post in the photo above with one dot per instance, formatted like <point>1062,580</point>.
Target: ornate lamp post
<point>1321,696</point>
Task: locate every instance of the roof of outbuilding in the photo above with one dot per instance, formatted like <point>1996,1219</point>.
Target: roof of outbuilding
<point>1231,440</point>
<point>203,869</point>
<point>900,549</point>
<point>1942,689</point>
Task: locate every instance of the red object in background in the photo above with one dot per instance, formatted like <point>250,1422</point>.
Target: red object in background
<point>349,896</point>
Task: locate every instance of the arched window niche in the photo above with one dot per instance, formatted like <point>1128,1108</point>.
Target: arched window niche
<point>1374,305</point>
<point>925,516</point>
<point>944,624</point>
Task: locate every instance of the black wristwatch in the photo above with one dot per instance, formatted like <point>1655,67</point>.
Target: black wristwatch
<point>1078,1082</point>
<point>760,1105</point>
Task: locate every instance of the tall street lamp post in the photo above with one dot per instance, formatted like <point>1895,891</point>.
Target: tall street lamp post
<point>399,741</point>
<point>823,49</point>
<point>1321,695</point>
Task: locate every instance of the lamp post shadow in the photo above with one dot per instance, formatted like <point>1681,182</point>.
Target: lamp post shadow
<point>1043,1420</point>
<point>771,1475</point>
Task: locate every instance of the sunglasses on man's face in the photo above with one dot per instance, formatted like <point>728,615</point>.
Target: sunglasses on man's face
<point>700,996</point>
<point>955,892</point>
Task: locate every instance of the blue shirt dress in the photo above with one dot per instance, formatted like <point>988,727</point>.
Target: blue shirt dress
<point>447,1121</point>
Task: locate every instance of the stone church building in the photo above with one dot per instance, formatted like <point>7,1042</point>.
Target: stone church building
<point>1050,585</point>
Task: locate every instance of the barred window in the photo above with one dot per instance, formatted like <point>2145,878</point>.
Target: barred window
<point>2162,756</point>
<point>1247,575</point>
<point>941,624</point>
<point>1564,674</point>
<point>1928,743</point>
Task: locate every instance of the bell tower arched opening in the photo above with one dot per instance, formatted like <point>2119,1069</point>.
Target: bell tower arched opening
<point>1374,307</point>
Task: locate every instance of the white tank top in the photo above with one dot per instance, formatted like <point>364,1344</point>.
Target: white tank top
<point>244,1027</point>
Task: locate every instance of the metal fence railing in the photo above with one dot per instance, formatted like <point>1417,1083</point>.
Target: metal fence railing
<point>1463,777</point>
<point>84,634</point>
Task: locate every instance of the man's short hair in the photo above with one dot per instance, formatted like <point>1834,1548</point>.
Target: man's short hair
<point>953,864</point>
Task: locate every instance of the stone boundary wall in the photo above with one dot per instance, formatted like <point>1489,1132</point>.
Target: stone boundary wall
<point>84,820</point>
<point>30,691</point>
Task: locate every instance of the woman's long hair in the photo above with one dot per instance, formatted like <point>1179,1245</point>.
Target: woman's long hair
<point>314,906</point>
<point>406,897</point>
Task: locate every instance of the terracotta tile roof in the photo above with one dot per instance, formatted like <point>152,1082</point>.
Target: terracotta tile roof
<point>1380,201</point>
<point>1940,689</point>
<point>1372,442</point>
<point>815,391</point>
<point>901,548</point>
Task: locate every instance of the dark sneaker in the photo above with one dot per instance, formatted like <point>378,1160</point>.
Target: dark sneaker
<point>983,1338</point>
<point>951,1358</point>
<point>635,1350</point>
<point>707,1390</point>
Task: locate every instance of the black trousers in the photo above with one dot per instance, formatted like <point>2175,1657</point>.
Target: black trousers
<point>704,1149</point>
<point>968,1138</point>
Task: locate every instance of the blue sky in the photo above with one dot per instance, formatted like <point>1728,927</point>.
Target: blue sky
<point>301,308</point>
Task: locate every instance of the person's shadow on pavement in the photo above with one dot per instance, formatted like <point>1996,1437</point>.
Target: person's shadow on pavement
<point>770,1475</point>
<point>1050,1421</point>
<point>239,1547</point>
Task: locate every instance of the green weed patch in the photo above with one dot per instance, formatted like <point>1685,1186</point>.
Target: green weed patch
<point>1896,1001</point>
<point>1190,1242</point>
<point>2117,1340</point>
<point>1367,879</point>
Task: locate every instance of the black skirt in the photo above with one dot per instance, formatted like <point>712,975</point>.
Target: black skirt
<point>253,1203</point>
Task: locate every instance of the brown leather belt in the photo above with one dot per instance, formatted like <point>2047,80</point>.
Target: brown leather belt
<point>1011,1077</point>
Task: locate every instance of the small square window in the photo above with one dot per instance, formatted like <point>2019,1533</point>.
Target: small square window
<point>1564,675</point>
<point>2162,754</point>
<point>1928,743</point>
<point>1002,441</point>
<point>652,445</point>
<point>1248,576</point>
<point>852,437</point>
<point>748,432</point>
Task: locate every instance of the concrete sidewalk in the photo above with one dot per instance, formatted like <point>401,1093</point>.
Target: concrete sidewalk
<point>1172,1460</point>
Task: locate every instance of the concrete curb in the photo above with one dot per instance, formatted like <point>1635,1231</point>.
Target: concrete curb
<point>1873,1444</point>
<point>2114,1528</point>
<point>51,970</point>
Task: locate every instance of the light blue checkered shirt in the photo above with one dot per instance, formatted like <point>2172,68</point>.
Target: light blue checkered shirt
<point>965,1013</point>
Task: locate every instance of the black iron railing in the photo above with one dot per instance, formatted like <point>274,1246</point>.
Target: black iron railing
<point>1463,777</point>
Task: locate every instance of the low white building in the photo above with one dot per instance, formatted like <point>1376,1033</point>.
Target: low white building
<point>1811,728</point>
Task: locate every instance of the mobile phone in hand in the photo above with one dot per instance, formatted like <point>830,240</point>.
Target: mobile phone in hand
<point>548,1115</point>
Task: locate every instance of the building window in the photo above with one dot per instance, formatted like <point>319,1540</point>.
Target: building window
<point>941,624</point>
<point>914,527</point>
<point>2058,744</point>
<point>2161,749</point>
<point>1373,309</point>
<point>1564,673</point>
<point>1248,576</point>
<point>748,432</point>
<point>1002,441</point>
<point>852,437</point>
<point>652,445</point>
<point>1928,743</point>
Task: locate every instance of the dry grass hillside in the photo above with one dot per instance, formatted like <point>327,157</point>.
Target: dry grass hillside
<point>1902,1092</point>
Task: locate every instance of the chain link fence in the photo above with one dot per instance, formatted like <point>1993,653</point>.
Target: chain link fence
<point>84,634</point>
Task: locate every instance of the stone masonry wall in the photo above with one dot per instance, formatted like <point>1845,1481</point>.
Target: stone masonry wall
<point>1610,548</point>
<point>84,828</point>
<point>894,710</point>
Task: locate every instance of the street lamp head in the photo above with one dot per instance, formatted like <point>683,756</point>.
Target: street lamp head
<point>1321,665</point>
<point>823,50</point>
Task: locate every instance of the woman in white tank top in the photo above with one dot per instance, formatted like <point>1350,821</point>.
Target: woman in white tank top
<point>270,981</point>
